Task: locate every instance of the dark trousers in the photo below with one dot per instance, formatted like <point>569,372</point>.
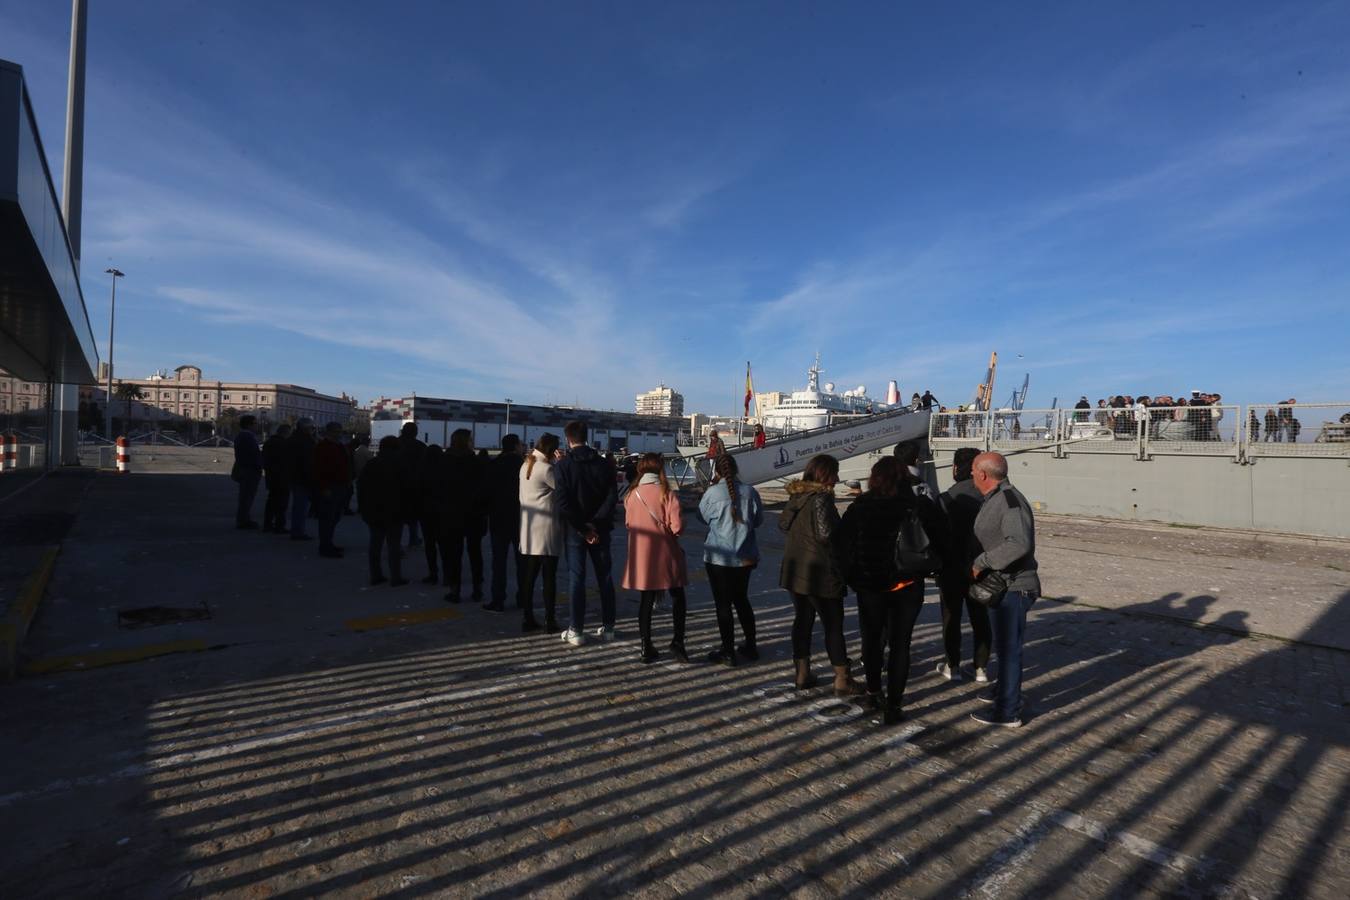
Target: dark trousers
<point>886,619</point>
<point>1010,630</point>
<point>455,539</point>
<point>602,563</point>
<point>433,543</point>
<point>831,612</point>
<point>678,608</point>
<point>954,586</point>
<point>328,504</point>
<point>248,489</point>
<point>505,543</point>
<point>299,509</point>
<point>413,539</point>
<point>384,538</point>
<point>533,566</point>
<point>731,590</point>
<point>274,513</point>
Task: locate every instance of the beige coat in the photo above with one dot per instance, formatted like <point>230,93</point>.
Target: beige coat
<point>541,528</point>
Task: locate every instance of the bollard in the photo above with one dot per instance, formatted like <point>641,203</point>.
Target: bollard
<point>10,459</point>
<point>123,456</point>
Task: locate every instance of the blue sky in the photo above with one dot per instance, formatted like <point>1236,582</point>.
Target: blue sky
<point>570,202</point>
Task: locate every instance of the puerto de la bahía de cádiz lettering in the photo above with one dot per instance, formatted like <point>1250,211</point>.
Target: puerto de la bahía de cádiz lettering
<point>849,441</point>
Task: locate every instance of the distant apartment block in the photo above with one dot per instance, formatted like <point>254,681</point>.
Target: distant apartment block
<point>660,401</point>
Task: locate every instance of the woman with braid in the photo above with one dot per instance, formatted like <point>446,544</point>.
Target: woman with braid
<point>732,511</point>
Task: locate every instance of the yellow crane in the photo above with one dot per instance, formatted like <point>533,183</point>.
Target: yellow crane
<point>984,393</point>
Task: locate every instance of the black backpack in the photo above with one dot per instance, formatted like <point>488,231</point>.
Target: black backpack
<point>915,555</point>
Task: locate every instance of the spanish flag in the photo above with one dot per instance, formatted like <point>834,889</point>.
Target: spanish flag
<point>749,389</point>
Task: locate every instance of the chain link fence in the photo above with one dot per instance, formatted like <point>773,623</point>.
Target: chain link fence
<point>1298,429</point>
<point>950,430</point>
<point>1201,430</point>
<point>1242,432</point>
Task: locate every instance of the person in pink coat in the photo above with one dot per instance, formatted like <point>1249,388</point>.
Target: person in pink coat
<point>655,558</point>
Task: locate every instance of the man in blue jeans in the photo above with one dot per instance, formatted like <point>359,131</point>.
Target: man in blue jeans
<point>587,496</point>
<point>1005,535</point>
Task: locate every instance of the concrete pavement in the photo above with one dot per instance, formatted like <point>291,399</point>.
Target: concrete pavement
<point>458,757</point>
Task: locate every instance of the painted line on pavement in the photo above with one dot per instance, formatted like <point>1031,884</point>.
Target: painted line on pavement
<point>98,659</point>
<point>21,613</point>
<point>396,620</point>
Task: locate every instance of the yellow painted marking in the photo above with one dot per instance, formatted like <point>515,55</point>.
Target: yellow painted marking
<point>396,620</point>
<point>101,658</point>
<point>21,613</point>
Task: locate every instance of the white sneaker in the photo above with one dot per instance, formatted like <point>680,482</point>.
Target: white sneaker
<point>982,675</point>
<point>947,673</point>
<point>606,634</point>
<point>574,637</point>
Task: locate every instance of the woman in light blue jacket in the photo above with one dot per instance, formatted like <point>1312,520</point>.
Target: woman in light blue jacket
<point>732,512</point>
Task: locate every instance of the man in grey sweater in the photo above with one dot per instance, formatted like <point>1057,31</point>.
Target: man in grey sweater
<point>1005,538</point>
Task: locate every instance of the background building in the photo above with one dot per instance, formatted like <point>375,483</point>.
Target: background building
<point>609,431</point>
<point>184,399</point>
<point>766,401</point>
<point>660,401</point>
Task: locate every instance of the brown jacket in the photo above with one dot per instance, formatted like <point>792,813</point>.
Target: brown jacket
<point>810,565</point>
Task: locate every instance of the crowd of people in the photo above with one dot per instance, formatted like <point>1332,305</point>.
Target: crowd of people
<point>548,505</point>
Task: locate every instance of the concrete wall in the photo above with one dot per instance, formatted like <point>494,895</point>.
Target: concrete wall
<point>1290,494</point>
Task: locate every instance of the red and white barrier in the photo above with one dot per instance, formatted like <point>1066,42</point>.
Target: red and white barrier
<point>123,456</point>
<point>10,460</point>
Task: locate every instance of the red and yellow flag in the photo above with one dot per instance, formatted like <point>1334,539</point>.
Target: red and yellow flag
<point>749,389</point>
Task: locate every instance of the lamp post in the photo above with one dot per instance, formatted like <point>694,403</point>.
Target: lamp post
<point>112,320</point>
<point>508,417</point>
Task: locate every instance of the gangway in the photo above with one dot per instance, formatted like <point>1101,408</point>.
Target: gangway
<point>789,454</point>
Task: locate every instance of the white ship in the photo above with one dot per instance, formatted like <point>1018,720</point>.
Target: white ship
<point>815,408</point>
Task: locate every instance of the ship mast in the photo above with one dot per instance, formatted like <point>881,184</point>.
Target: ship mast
<point>813,375</point>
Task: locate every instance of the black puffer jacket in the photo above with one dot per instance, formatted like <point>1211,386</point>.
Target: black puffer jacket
<point>461,492</point>
<point>961,503</point>
<point>379,491</point>
<point>810,565</point>
<point>300,461</point>
<point>274,463</point>
<point>865,538</point>
<point>504,476</point>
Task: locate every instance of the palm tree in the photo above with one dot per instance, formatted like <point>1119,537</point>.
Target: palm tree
<point>129,392</point>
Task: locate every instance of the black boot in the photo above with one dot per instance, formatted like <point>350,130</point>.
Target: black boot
<point>649,651</point>
<point>723,656</point>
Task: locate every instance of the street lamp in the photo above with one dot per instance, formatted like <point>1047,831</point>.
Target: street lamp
<point>508,417</point>
<point>112,319</point>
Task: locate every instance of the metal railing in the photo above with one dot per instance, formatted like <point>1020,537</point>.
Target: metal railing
<point>1298,429</point>
<point>1245,433</point>
<point>1194,431</point>
<point>958,429</point>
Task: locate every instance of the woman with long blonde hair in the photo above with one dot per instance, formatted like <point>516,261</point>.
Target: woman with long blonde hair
<point>655,559</point>
<point>541,532</point>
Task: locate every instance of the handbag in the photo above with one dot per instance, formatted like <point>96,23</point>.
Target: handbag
<point>989,589</point>
<point>661,523</point>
